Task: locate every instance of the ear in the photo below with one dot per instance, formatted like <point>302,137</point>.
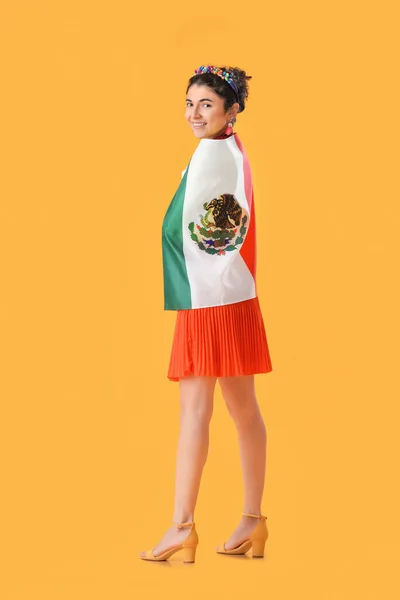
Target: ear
<point>234,110</point>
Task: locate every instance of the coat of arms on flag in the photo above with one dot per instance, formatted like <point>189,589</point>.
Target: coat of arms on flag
<point>222,228</point>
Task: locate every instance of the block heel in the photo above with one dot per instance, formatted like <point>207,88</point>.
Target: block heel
<point>189,554</point>
<point>259,548</point>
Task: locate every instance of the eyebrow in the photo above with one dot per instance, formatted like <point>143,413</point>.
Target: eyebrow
<point>202,100</point>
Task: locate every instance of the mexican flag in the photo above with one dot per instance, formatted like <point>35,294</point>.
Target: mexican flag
<point>208,232</point>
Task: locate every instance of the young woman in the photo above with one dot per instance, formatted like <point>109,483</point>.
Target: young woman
<point>209,260</point>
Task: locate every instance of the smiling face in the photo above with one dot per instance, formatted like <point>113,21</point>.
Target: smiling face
<point>205,112</point>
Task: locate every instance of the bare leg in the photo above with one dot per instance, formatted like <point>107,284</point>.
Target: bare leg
<point>196,406</point>
<point>240,397</point>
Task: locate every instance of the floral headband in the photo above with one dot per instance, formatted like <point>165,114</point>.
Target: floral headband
<point>226,75</point>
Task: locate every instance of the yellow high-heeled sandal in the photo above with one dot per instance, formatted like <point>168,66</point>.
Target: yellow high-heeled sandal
<point>256,540</point>
<point>189,546</point>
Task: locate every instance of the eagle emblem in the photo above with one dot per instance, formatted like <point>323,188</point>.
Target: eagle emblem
<point>223,226</point>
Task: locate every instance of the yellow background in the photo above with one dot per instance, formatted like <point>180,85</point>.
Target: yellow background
<point>93,144</point>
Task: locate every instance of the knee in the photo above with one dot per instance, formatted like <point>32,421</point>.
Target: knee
<point>242,405</point>
<point>197,413</point>
<point>244,413</point>
<point>196,402</point>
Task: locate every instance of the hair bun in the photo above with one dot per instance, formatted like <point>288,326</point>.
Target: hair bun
<point>241,80</point>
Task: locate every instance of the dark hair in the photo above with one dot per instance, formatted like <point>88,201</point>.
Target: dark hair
<point>222,87</point>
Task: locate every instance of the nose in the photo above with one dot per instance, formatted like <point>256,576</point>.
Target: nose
<point>196,112</point>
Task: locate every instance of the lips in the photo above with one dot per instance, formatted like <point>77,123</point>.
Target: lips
<point>197,125</point>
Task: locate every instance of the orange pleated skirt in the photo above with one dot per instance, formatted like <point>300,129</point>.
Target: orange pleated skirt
<point>220,341</point>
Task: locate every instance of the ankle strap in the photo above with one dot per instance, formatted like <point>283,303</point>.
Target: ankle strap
<point>261,517</point>
<point>181,525</point>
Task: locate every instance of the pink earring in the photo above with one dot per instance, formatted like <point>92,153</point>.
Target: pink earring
<point>229,129</point>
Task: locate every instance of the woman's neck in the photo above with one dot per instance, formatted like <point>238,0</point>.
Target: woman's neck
<point>220,133</point>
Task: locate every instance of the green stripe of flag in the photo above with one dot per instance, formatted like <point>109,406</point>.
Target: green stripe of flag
<point>176,282</point>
